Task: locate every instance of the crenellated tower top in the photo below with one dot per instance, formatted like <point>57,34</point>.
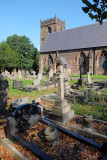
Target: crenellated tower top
<point>49,26</point>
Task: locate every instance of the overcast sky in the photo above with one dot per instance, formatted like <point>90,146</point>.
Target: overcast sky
<point>22,17</point>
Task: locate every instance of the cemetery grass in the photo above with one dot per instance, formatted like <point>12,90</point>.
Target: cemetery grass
<point>14,94</point>
<point>92,76</point>
<point>98,112</point>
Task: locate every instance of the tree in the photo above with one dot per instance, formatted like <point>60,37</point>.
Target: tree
<point>36,59</point>
<point>9,58</point>
<point>25,48</point>
<point>96,10</point>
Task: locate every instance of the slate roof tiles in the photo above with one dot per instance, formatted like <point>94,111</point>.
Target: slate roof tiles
<point>94,35</point>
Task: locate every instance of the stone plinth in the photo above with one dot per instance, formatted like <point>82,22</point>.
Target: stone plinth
<point>61,112</point>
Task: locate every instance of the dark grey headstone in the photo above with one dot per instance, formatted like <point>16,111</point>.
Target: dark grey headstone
<point>17,84</point>
<point>3,93</point>
<point>24,117</point>
<point>80,82</point>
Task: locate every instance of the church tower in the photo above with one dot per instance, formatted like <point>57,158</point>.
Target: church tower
<point>49,26</point>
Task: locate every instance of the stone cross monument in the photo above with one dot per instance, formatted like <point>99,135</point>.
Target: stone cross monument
<point>89,81</point>
<point>60,84</point>
<point>80,65</point>
<point>61,112</point>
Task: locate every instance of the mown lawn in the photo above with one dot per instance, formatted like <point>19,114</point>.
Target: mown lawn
<point>92,76</point>
<point>17,94</point>
<point>98,112</point>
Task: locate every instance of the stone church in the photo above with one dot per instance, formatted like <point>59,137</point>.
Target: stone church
<point>87,43</point>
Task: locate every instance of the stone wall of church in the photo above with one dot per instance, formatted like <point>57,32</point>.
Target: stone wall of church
<point>72,58</point>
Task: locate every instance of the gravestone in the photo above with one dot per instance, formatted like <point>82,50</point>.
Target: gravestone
<point>27,74</point>
<point>50,73</point>
<point>24,117</point>
<point>14,72</point>
<point>6,73</point>
<point>89,81</point>
<point>36,82</point>
<point>61,112</point>
<point>19,74</point>
<point>23,73</point>
<point>86,94</point>
<point>3,93</point>
<point>15,104</point>
<point>40,75</point>
<point>17,84</point>
<point>80,66</point>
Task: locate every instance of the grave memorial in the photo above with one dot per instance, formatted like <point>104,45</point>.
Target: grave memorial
<point>4,86</point>
<point>80,67</point>
<point>89,81</point>
<point>61,112</point>
<point>17,84</point>
<point>50,73</point>
<point>19,74</point>
<point>24,117</point>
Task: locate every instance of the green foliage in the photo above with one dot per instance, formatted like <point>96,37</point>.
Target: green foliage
<point>46,69</point>
<point>8,58</point>
<point>26,50</point>
<point>98,112</point>
<point>96,10</point>
<point>36,61</point>
<point>92,76</point>
<point>95,97</point>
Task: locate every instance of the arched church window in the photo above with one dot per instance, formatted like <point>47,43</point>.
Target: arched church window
<point>103,61</point>
<point>82,60</point>
<point>49,29</point>
<point>50,61</point>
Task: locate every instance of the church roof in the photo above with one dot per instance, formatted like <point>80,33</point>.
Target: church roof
<point>94,35</point>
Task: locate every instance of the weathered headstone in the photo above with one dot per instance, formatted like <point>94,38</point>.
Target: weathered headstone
<point>24,117</point>
<point>80,66</point>
<point>62,110</point>
<point>14,72</point>
<point>89,81</point>
<point>86,95</point>
<point>40,75</point>
<point>19,74</point>
<point>50,73</point>
<point>36,82</point>
<point>15,104</point>
<point>23,73</point>
<point>18,84</point>
<point>3,93</point>
<point>6,73</point>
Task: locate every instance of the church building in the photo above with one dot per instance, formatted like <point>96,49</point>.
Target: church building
<point>88,43</point>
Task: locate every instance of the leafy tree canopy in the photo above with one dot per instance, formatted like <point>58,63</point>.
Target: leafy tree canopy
<point>8,58</point>
<point>96,10</point>
<point>25,48</point>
